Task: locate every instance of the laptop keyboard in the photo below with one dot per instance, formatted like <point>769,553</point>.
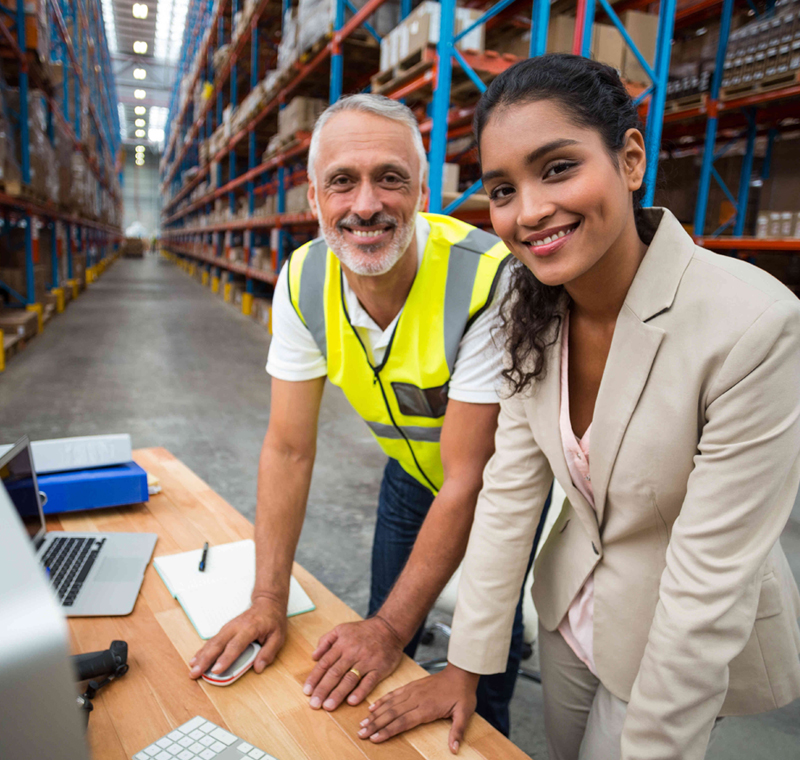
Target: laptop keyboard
<point>68,561</point>
<point>200,739</point>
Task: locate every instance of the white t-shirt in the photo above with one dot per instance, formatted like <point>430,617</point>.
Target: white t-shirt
<point>295,356</point>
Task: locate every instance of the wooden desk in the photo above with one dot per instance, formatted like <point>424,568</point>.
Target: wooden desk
<point>268,710</point>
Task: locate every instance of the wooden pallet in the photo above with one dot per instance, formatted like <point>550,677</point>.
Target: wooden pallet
<point>13,344</point>
<point>409,68</point>
<point>685,103</point>
<point>767,84</point>
<point>308,54</point>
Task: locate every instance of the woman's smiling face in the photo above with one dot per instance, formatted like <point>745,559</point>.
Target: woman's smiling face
<point>559,200</point>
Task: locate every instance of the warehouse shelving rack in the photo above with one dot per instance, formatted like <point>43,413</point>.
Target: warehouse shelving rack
<point>87,75</point>
<point>439,124</point>
<point>760,111</point>
<point>191,123</point>
<point>441,121</point>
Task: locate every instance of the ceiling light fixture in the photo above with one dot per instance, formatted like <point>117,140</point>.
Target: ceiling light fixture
<point>140,123</point>
<point>140,47</point>
<point>140,110</point>
<point>140,148</point>
<point>139,10</point>
<point>139,133</point>
<point>139,94</point>
<point>139,73</point>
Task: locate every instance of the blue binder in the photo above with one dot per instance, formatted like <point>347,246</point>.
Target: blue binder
<point>91,489</point>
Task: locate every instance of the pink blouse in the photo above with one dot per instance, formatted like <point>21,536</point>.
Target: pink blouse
<point>577,627</point>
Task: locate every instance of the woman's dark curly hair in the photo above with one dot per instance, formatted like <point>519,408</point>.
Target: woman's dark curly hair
<point>593,96</point>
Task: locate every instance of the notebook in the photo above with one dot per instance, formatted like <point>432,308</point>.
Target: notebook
<point>214,597</point>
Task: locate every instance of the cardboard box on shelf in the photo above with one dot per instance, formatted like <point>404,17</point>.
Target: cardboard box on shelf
<point>287,49</point>
<point>787,224</point>
<point>643,30</point>
<point>774,224</point>
<point>608,46</point>
<point>261,311</point>
<point>421,28</point>
<point>560,32</point>
<point>762,224</point>
<point>261,258</point>
<point>450,177</point>
<point>796,229</point>
<point>19,322</point>
<point>16,279</point>
<point>300,115</point>
<point>297,199</point>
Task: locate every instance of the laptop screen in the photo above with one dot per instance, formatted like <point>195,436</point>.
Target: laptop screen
<point>19,478</point>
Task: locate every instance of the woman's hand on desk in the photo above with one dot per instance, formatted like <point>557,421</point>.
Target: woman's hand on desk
<point>448,694</point>
<point>264,622</point>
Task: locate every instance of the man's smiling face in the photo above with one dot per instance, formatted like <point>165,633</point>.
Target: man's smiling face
<point>368,190</point>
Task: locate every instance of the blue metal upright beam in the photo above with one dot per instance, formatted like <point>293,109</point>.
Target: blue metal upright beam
<point>540,21</point>
<point>337,58</point>
<point>69,250</point>
<point>55,280</point>
<point>746,172</point>
<point>588,26</point>
<point>658,98</point>
<point>441,105</point>
<point>711,124</point>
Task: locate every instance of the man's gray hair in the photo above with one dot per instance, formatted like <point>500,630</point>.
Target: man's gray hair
<point>379,105</point>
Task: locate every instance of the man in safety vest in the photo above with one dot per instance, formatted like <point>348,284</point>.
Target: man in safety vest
<point>397,308</point>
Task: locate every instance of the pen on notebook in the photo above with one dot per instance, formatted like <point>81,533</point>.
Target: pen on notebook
<point>202,567</point>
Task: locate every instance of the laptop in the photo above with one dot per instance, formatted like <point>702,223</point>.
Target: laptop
<point>90,573</point>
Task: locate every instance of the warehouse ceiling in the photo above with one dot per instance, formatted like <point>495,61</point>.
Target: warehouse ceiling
<point>144,39</point>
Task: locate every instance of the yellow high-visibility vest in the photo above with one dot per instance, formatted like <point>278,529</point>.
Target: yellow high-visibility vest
<point>403,399</point>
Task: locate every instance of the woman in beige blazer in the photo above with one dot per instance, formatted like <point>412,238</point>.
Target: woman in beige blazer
<point>664,597</point>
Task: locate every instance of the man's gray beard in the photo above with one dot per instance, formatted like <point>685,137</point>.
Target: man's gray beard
<point>360,259</point>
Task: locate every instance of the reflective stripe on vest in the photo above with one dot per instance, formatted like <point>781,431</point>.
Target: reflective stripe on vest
<point>403,399</point>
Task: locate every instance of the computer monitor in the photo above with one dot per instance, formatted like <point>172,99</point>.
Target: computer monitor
<point>39,715</point>
<point>19,478</point>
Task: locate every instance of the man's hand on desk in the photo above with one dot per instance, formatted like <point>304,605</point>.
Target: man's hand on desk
<point>264,622</point>
<point>370,647</point>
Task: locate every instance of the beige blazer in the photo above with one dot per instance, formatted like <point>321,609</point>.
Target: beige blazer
<point>695,463</point>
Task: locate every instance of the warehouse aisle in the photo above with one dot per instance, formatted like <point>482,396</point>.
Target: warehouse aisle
<point>150,352</point>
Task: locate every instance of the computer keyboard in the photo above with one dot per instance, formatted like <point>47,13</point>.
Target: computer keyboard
<point>200,739</point>
<point>68,562</point>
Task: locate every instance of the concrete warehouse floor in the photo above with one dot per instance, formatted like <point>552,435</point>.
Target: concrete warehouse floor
<point>149,352</point>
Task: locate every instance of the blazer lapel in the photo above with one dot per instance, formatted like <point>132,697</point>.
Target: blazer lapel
<point>633,350</point>
<point>635,345</point>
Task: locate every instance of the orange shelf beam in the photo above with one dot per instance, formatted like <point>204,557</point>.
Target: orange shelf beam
<point>788,245</point>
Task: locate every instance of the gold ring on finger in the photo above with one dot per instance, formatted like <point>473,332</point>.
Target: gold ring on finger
<point>355,672</point>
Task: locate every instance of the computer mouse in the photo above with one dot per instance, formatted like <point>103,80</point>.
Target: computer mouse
<point>242,664</point>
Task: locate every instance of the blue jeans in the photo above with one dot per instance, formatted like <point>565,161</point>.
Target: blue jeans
<point>402,507</point>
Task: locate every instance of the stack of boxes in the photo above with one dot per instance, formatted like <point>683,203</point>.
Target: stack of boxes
<point>299,115</point>
<point>37,29</point>
<point>316,22</point>
<point>778,224</point>
<point>421,28</point>
<point>764,48</point>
